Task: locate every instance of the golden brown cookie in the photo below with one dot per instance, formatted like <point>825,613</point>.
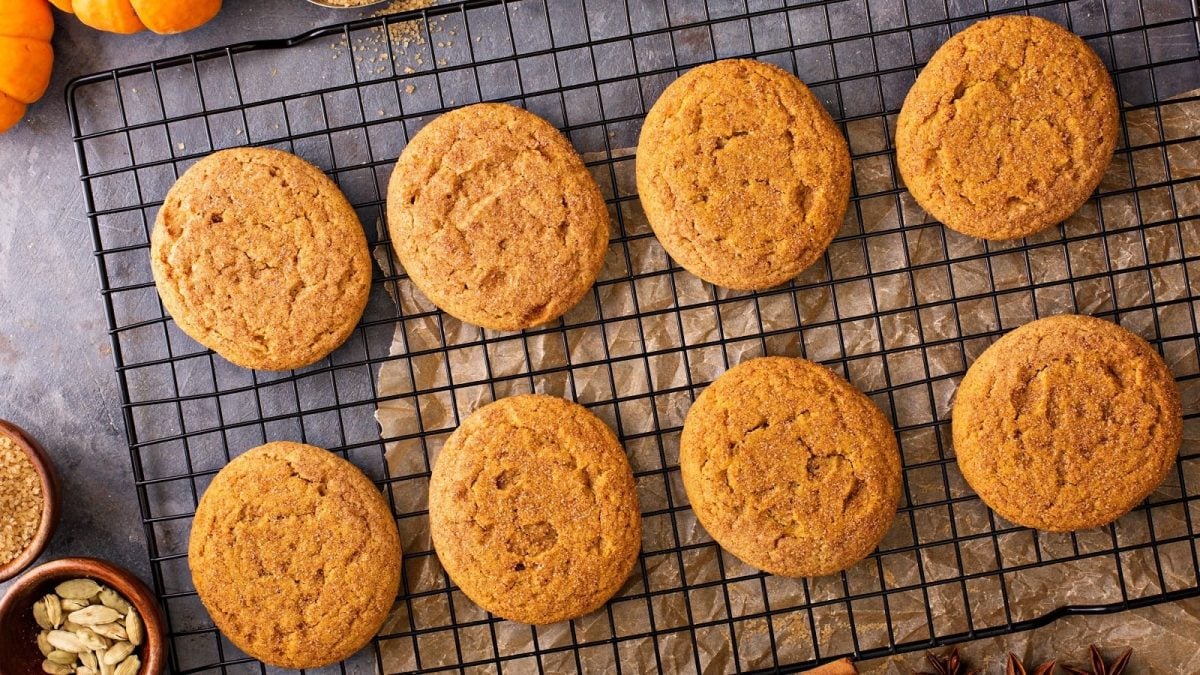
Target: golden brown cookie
<point>495,218</point>
<point>258,256</point>
<point>742,173</point>
<point>1008,129</point>
<point>295,554</point>
<point>789,467</point>
<point>1066,423</point>
<point>533,510</point>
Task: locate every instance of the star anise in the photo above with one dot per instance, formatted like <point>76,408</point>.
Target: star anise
<point>1016,667</point>
<point>1098,666</point>
<point>947,664</point>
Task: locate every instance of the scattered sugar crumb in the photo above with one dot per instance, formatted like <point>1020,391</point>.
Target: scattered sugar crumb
<point>407,32</point>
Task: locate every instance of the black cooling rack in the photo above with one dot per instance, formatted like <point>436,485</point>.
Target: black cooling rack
<point>899,304</point>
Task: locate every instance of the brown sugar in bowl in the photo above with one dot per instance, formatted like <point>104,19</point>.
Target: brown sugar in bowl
<point>50,500</point>
<point>19,653</point>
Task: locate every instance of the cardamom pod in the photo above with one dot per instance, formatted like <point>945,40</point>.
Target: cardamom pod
<point>93,615</point>
<point>129,666</point>
<point>90,640</point>
<point>133,628</point>
<point>112,631</point>
<point>78,589</point>
<point>70,605</point>
<point>90,660</point>
<point>67,642</point>
<point>41,617</point>
<point>54,611</point>
<point>105,669</point>
<point>43,644</point>
<point>59,656</point>
<point>51,668</point>
<point>117,653</point>
<point>110,598</point>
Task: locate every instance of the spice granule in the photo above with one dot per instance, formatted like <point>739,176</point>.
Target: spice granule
<point>20,500</point>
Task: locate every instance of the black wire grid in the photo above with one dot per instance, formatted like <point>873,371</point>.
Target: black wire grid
<point>899,304</point>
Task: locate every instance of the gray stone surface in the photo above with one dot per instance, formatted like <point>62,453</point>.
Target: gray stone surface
<point>55,360</point>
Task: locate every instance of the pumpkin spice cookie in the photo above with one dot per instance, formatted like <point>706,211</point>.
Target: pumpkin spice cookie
<point>295,554</point>
<point>790,468</point>
<point>1009,128</point>
<point>743,175</point>
<point>1066,423</point>
<point>258,256</point>
<point>495,218</point>
<point>533,510</point>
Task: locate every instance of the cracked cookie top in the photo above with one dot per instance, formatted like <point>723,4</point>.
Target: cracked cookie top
<point>495,218</point>
<point>1066,423</point>
<point>258,256</point>
<point>295,554</point>
<point>789,467</point>
<point>1008,129</point>
<point>743,175</point>
<point>533,510</point>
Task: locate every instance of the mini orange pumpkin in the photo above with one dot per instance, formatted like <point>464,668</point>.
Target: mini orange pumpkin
<point>25,56</point>
<point>131,16</point>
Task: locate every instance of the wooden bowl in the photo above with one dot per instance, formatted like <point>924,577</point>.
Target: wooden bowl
<point>50,499</point>
<point>19,654</point>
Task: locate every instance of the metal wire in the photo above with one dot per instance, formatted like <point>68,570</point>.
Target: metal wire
<point>593,68</point>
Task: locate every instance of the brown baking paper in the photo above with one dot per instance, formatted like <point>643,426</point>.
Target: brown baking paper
<point>940,540</point>
<point>1163,639</point>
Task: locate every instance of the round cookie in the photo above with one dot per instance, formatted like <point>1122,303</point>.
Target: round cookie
<point>533,510</point>
<point>1066,423</point>
<point>790,468</point>
<point>258,256</point>
<point>295,554</point>
<point>495,218</point>
<point>1009,128</point>
<point>742,174</point>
